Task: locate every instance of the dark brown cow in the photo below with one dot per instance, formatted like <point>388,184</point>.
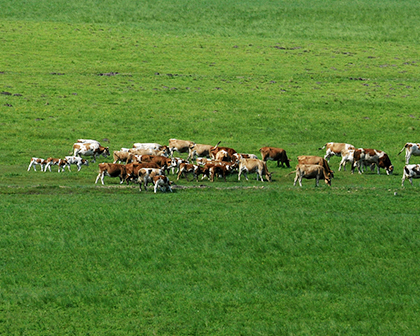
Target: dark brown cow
<point>275,154</point>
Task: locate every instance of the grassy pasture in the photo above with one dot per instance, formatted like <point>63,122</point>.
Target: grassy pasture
<point>236,258</point>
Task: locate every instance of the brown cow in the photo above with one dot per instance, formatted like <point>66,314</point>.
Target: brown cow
<point>311,172</point>
<point>182,146</point>
<point>111,170</point>
<point>275,154</point>
<point>185,169</point>
<point>316,160</point>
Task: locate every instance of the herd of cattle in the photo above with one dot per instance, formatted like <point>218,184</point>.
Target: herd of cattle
<point>150,163</point>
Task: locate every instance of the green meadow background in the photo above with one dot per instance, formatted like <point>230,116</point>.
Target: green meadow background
<point>234,258</point>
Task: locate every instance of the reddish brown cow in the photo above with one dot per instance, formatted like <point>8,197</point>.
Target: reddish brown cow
<point>275,154</point>
<point>111,170</point>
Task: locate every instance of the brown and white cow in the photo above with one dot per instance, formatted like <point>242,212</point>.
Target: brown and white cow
<point>214,150</point>
<point>198,150</point>
<point>346,156</point>
<point>161,182</point>
<point>221,169</point>
<point>275,154</point>
<point>411,148</point>
<point>111,170</point>
<point>78,161</point>
<point>409,172</point>
<point>185,169</point>
<point>145,176</point>
<point>181,146</point>
<point>316,160</point>
<point>367,157</point>
<point>37,161</point>
<point>311,172</point>
<point>133,170</point>
<point>61,163</point>
<point>335,148</point>
<point>90,149</point>
<point>254,166</point>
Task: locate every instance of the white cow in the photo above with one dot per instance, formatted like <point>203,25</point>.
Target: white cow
<point>76,160</point>
<point>90,149</point>
<point>411,148</point>
<point>410,172</point>
<point>37,161</point>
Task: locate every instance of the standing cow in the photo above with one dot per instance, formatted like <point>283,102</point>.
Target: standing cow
<point>311,172</point>
<point>336,148</point>
<point>410,172</point>
<point>275,154</point>
<point>90,149</point>
<point>411,148</point>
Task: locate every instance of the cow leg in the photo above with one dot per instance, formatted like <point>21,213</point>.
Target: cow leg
<point>407,158</point>
<point>30,165</point>
<point>411,180</point>
<point>99,176</point>
<point>317,181</point>
<point>300,180</point>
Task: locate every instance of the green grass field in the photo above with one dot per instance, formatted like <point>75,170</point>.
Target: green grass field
<point>234,258</point>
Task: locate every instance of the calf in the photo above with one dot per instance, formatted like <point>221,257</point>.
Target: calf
<point>410,172</point>
<point>61,163</point>
<point>311,172</point>
<point>185,169</point>
<point>78,161</point>
<point>37,161</point>
<point>254,166</point>
<point>111,170</point>
<point>275,154</point>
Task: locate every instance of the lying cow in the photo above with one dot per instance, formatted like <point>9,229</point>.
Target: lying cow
<point>90,149</point>
<point>367,157</point>
<point>61,163</point>
<point>37,161</point>
<point>335,148</point>
<point>275,154</point>
<point>410,172</point>
<point>111,170</point>
<point>181,146</point>
<point>316,160</point>
<point>78,161</point>
<point>254,166</point>
<point>311,172</point>
<point>411,148</point>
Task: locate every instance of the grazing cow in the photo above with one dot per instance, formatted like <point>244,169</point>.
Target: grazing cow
<point>181,146</point>
<point>61,163</point>
<point>78,161</point>
<point>37,161</point>
<point>221,169</point>
<point>90,149</point>
<point>161,182</point>
<point>111,170</point>
<point>411,148</point>
<point>316,160</point>
<point>204,170</point>
<point>145,176</point>
<point>120,156</point>
<point>368,156</point>
<point>254,166</point>
<point>335,148</point>
<point>410,171</point>
<point>275,154</point>
<point>311,172</point>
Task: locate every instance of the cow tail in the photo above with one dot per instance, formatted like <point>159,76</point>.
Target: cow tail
<point>405,146</point>
<point>322,147</point>
<point>292,172</point>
